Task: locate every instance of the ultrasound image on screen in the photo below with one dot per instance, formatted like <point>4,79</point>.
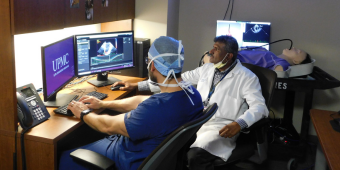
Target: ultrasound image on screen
<point>247,33</point>
<point>256,33</point>
<point>106,47</point>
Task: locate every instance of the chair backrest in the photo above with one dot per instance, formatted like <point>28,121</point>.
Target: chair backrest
<point>167,150</point>
<point>267,80</point>
<point>244,144</point>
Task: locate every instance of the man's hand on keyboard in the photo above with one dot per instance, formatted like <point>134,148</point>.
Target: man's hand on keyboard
<point>91,102</point>
<point>77,107</point>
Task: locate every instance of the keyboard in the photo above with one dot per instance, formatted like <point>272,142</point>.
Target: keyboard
<point>63,109</point>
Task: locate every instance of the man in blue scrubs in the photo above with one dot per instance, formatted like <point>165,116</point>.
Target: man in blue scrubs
<point>148,120</point>
<point>237,92</point>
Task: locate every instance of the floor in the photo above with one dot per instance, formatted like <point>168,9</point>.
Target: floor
<point>281,162</point>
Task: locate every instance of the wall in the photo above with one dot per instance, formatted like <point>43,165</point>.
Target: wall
<point>150,19</point>
<point>28,51</point>
<point>312,25</point>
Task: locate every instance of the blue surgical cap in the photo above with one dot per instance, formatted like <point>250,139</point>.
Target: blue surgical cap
<point>167,54</point>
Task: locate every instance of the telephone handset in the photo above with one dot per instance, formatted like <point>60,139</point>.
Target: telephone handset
<point>31,109</point>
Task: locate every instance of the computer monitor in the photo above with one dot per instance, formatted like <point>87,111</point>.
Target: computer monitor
<point>100,53</point>
<point>58,69</point>
<point>247,33</point>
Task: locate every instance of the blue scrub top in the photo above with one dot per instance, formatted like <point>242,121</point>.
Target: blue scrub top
<point>151,122</point>
<point>148,125</point>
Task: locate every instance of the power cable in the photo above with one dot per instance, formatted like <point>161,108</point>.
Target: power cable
<point>291,44</point>
<point>226,10</point>
<point>23,156</point>
<point>201,60</point>
<point>232,7</point>
<point>231,12</point>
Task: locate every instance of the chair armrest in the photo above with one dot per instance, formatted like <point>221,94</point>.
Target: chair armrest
<point>258,124</point>
<point>93,158</point>
<point>257,128</point>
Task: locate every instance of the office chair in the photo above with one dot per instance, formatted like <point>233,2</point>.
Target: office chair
<point>253,146</point>
<point>167,155</point>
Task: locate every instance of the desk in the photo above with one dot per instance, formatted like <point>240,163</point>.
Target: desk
<point>41,141</point>
<point>329,139</point>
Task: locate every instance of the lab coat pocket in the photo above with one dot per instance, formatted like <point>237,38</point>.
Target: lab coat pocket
<point>229,108</point>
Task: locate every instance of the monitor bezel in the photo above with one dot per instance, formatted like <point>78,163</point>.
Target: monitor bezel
<point>53,95</point>
<point>102,33</point>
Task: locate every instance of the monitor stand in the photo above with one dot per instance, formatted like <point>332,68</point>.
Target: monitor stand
<point>103,80</point>
<point>61,100</point>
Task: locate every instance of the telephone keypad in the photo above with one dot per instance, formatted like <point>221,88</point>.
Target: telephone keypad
<point>38,114</point>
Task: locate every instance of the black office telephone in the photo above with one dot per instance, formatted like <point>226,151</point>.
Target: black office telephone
<point>31,110</point>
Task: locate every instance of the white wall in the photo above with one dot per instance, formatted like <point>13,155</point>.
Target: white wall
<point>312,25</point>
<point>150,19</point>
<point>28,52</point>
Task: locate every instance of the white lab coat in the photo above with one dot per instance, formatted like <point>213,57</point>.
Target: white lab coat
<point>239,88</point>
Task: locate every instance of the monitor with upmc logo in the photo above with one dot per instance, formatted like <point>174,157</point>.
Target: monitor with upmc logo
<point>58,69</point>
<point>247,33</point>
<point>103,52</point>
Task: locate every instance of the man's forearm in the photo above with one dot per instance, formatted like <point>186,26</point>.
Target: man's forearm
<point>124,105</point>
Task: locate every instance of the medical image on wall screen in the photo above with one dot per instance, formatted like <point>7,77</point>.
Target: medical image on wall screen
<point>247,33</point>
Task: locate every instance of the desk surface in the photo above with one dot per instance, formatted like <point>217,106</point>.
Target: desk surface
<point>41,142</point>
<point>58,126</point>
<point>329,139</point>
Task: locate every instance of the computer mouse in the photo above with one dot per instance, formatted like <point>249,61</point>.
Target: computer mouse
<point>116,87</point>
<point>337,121</point>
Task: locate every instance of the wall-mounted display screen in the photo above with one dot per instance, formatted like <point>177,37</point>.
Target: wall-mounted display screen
<point>247,33</point>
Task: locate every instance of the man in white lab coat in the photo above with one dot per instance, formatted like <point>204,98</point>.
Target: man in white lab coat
<point>237,92</point>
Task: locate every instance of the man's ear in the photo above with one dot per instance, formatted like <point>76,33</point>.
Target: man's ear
<point>153,68</point>
<point>230,56</point>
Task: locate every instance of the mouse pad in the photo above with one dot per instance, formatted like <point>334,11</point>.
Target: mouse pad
<point>335,126</point>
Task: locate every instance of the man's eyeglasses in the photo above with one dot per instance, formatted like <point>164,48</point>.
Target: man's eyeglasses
<point>147,60</point>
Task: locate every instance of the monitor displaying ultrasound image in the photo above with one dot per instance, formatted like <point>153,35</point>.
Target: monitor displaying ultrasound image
<point>100,52</point>
<point>258,33</point>
<point>247,33</point>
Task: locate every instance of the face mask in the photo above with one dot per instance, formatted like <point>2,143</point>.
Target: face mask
<point>220,64</point>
